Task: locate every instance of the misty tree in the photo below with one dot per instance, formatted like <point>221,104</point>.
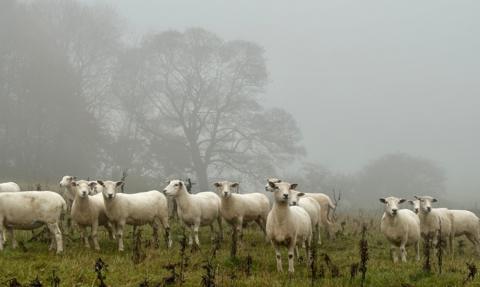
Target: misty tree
<point>44,125</point>
<point>400,175</point>
<point>192,99</point>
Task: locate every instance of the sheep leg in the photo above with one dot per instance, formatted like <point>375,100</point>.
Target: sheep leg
<point>155,233</point>
<point>95,235</point>
<point>120,226</point>
<point>417,249</point>
<point>12,237</point>
<point>278,256</point>
<point>83,235</point>
<point>190,240</point>
<point>220,227</point>
<point>166,227</point>
<point>261,223</point>
<point>2,234</point>
<point>475,241</point>
<point>450,243</point>
<point>57,234</point>
<point>307,252</point>
<point>291,250</point>
<point>195,232</point>
<point>393,253</point>
<point>111,231</point>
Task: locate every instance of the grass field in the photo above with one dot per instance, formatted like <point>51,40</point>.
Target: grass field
<point>76,266</point>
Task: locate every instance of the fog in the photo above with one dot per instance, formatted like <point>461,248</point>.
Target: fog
<point>365,81</point>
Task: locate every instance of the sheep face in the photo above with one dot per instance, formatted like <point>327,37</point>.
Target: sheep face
<point>225,188</point>
<point>281,191</point>
<point>110,188</point>
<point>425,203</point>
<point>416,205</point>
<point>82,188</point>
<point>294,197</point>
<point>391,204</point>
<point>273,180</point>
<point>173,188</point>
<point>67,180</point>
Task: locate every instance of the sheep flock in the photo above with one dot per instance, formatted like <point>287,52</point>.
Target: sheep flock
<point>290,218</point>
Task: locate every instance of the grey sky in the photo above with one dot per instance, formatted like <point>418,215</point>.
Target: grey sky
<point>362,78</point>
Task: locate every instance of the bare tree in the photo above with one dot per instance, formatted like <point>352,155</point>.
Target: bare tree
<point>195,99</point>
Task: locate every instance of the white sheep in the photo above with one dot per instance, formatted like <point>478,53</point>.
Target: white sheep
<point>464,223</point>
<point>436,223</point>
<point>311,206</point>
<point>287,225</point>
<point>68,193</point>
<point>89,211</point>
<point>195,210</point>
<point>29,210</point>
<point>238,209</point>
<point>136,209</point>
<point>9,187</point>
<point>326,205</point>
<point>401,227</point>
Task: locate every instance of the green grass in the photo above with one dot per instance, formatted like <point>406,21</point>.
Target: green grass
<point>76,266</point>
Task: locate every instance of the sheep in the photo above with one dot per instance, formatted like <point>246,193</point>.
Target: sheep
<point>29,210</point>
<point>149,207</point>
<point>436,223</point>
<point>9,187</point>
<point>311,206</point>
<point>238,209</point>
<point>69,193</point>
<point>89,211</point>
<point>287,225</point>
<point>195,210</point>
<point>326,206</point>
<point>401,227</point>
<point>464,223</point>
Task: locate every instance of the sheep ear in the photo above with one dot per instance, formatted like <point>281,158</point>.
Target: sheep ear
<point>74,183</point>
<point>293,186</point>
<point>434,200</point>
<point>411,202</point>
<point>235,184</point>
<point>119,183</point>
<point>300,194</point>
<point>271,184</point>
<point>402,201</point>
<point>416,197</point>
<point>217,184</point>
<point>101,183</point>
<point>180,183</point>
<point>92,184</point>
<point>382,200</point>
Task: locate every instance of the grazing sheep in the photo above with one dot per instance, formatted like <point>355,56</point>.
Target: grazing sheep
<point>29,210</point>
<point>311,206</point>
<point>89,211</point>
<point>434,220</point>
<point>326,206</point>
<point>195,210</point>
<point>287,225</point>
<point>136,209</point>
<point>238,209</point>
<point>401,227</point>
<point>9,187</point>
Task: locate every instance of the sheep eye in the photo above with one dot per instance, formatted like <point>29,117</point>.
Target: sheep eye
<point>176,184</point>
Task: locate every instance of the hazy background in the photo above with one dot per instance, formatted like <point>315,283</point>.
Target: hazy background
<point>362,79</point>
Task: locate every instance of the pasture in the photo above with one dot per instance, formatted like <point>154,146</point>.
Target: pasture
<point>254,264</point>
